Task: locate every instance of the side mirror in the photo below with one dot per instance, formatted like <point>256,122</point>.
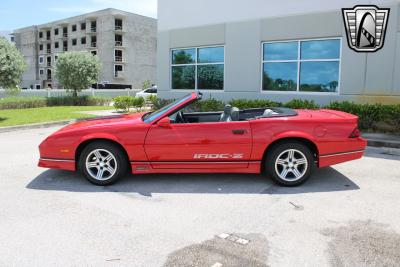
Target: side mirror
<point>165,122</point>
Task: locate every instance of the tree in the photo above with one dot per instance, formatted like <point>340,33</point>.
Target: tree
<point>146,84</point>
<point>12,65</point>
<point>77,70</point>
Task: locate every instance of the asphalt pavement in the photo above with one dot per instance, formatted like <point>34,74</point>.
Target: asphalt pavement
<point>347,215</point>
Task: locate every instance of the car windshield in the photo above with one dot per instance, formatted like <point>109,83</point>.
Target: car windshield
<point>149,117</point>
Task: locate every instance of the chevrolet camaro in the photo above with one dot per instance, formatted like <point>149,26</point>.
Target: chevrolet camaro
<point>285,144</point>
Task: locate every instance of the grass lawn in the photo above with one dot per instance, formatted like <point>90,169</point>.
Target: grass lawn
<point>12,117</point>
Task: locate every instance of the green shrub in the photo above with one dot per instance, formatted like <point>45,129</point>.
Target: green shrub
<point>256,103</point>
<point>210,105</point>
<point>301,104</point>
<point>158,103</point>
<point>22,102</point>
<point>123,103</point>
<point>138,102</point>
<point>372,117</point>
<point>78,101</point>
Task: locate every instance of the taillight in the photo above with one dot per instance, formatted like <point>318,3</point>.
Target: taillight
<point>356,133</point>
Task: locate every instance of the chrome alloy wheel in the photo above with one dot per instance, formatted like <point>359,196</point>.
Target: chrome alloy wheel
<point>291,165</point>
<point>101,164</point>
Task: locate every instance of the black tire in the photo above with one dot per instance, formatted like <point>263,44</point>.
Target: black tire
<point>276,170</point>
<point>119,163</point>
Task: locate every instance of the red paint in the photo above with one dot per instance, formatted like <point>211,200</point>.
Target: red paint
<point>206,147</point>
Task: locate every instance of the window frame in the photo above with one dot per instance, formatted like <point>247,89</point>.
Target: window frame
<point>299,60</point>
<point>196,48</point>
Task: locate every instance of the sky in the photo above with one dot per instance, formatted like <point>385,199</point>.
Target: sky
<point>16,14</point>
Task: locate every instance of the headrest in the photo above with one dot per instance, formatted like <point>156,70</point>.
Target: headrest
<point>235,114</point>
<point>228,109</point>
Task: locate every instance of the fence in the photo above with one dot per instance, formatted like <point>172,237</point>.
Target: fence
<point>62,92</point>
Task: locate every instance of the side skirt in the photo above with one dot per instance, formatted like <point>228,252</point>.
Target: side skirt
<point>203,167</point>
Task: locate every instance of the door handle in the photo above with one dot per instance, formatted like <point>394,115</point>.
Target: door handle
<point>241,131</point>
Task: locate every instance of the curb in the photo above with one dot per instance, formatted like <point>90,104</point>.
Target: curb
<point>34,126</point>
<point>380,143</point>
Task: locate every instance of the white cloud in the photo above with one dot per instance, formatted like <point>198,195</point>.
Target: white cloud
<point>141,7</point>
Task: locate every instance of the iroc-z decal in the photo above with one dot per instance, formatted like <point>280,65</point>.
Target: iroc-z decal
<point>218,156</point>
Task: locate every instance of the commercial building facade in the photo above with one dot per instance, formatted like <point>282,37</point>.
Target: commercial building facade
<point>278,50</point>
<point>124,42</point>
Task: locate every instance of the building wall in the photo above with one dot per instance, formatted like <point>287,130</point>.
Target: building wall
<point>139,46</point>
<point>372,77</point>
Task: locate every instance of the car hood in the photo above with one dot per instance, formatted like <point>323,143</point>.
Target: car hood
<point>106,121</point>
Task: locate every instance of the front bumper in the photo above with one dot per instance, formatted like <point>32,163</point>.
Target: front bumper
<point>62,164</point>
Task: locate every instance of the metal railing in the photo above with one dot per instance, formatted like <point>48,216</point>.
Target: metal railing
<point>48,51</point>
<point>118,27</point>
<point>118,43</point>
<point>65,35</point>
<point>93,29</point>
<point>118,59</point>
<point>65,48</point>
<point>94,44</point>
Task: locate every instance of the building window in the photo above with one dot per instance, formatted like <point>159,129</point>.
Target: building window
<point>40,34</point>
<point>93,41</point>
<point>118,24</point>
<point>118,56</point>
<point>302,66</point>
<point>83,40</point>
<point>94,52</point>
<point>118,71</point>
<point>198,68</point>
<point>41,59</point>
<point>12,39</point>
<point>41,71</point>
<point>56,45</point>
<point>74,28</point>
<point>55,58</point>
<point>83,26</point>
<point>56,31</point>
<point>74,41</point>
<point>65,46</point>
<point>41,47</point>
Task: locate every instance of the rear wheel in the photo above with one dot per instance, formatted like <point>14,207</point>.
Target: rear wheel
<point>102,163</point>
<point>290,164</point>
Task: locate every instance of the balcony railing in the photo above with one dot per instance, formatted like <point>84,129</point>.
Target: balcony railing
<point>48,64</point>
<point>93,44</point>
<point>118,27</point>
<point>65,48</point>
<point>93,29</point>
<point>49,77</point>
<point>65,35</point>
<point>118,43</point>
<point>48,51</point>
<point>118,59</point>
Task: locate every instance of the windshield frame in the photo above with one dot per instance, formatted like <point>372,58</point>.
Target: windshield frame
<point>170,108</point>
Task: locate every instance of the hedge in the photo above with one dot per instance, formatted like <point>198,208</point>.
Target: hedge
<point>124,103</point>
<point>372,117</point>
<point>37,102</point>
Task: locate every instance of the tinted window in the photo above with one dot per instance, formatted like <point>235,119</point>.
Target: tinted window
<point>183,77</point>
<point>210,77</point>
<point>319,76</point>
<point>281,51</point>
<point>184,56</point>
<point>280,76</point>
<point>210,55</point>
<point>323,49</point>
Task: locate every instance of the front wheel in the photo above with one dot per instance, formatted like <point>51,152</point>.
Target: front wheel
<point>290,164</point>
<point>102,163</point>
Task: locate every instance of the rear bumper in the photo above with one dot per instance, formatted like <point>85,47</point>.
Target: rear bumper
<point>357,151</point>
<point>62,164</point>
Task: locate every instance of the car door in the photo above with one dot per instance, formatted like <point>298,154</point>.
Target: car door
<point>199,145</point>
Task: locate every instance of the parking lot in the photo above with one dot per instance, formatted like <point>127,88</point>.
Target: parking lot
<point>348,215</point>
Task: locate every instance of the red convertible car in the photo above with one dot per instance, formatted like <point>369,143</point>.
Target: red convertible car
<point>285,144</point>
